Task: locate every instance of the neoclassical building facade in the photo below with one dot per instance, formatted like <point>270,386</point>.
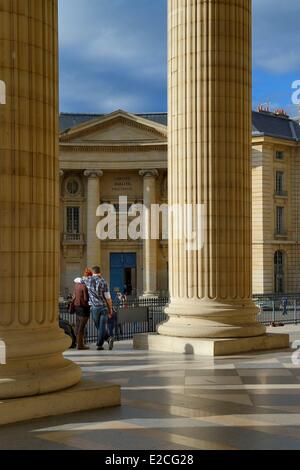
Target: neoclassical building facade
<point>103,157</point>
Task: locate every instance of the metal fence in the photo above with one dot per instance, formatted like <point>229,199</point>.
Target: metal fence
<point>125,330</point>
<point>278,308</point>
<point>274,309</point>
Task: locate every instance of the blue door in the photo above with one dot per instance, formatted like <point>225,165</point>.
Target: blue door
<point>122,272</point>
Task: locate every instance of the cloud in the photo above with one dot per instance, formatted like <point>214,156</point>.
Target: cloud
<point>276,35</point>
<point>113,54</point>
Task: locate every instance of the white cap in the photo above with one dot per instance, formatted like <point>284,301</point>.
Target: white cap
<point>78,280</point>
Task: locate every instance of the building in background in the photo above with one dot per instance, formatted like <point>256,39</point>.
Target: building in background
<point>103,157</point>
<point>276,203</point>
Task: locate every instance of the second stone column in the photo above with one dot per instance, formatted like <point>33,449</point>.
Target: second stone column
<point>93,201</point>
<point>209,164</point>
<point>150,245</point>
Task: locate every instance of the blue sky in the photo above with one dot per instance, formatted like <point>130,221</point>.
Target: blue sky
<point>113,54</point>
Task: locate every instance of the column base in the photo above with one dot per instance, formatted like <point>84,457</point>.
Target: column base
<point>35,363</point>
<point>210,347</point>
<point>87,395</point>
<point>211,319</point>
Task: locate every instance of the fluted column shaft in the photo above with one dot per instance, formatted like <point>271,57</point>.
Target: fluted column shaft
<point>29,222</point>
<point>150,245</point>
<point>209,164</point>
<point>93,200</point>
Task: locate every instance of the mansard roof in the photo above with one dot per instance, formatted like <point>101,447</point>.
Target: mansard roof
<point>263,123</point>
<point>68,121</point>
<point>271,125</point>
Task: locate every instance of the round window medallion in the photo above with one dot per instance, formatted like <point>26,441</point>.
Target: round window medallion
<point>73,186</point>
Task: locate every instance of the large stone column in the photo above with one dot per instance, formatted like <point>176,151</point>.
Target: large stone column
<point>93,201</point>
<point>209,164</point>
<point>29,221</point>
<point>150,245</point>
<point>29,226</point>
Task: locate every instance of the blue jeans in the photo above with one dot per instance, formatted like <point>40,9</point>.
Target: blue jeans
<point>100,317</point>
<point>111,327</point>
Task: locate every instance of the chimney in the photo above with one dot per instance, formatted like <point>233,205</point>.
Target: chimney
<point>281,113</point>
<point>263,109</point>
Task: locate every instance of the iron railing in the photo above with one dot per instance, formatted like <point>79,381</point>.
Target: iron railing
<point>281,193</point>
<point>278,308</point>
<point>274,309</point>
<point>155,316</point>
<point>70,238</point>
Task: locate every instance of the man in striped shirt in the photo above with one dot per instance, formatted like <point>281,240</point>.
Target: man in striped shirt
<point>101,305</point>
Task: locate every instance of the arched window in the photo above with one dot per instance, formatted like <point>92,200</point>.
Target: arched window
<point>279,272</point>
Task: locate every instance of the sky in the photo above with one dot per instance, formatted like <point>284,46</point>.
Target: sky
<point>113,54</point>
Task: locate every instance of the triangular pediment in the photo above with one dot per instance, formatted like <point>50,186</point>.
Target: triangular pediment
<point>119,126</point>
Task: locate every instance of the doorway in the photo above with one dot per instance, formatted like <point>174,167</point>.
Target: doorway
<point>123,273</point>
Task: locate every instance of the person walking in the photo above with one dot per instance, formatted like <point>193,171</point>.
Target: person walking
<point>111,328</point>
<point>110,332</point>
<point>284,304</point>
<point>101,304</point>
<point>82,310</point>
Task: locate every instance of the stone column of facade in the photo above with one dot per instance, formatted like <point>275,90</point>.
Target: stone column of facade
<point>29,204</point>
<point>150,246</point>
<point>93,201</point>
<point>209,164</point>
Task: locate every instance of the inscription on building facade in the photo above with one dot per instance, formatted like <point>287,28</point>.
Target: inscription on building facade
<point>117,184</point>
<point>121,184</point>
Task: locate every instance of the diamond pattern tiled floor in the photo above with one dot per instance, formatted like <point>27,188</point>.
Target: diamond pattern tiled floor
<point>177,402</point>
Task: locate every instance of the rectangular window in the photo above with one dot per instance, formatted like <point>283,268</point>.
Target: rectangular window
<point>280,220</point>
<point>279,155</point>
<point>73,220</point>
<point>279,182</point>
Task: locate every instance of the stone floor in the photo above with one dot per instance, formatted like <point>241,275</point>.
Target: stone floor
<point>179,402</point>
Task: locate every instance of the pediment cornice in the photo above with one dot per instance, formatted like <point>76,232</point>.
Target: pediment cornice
<point>114,147</point>
<point>119,117</point>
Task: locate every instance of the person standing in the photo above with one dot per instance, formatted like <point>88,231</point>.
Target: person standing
<point>284,303</point>
<point>82,311</point>
<point>101,304</point>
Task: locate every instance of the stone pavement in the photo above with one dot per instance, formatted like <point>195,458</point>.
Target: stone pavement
<point>172,401</point>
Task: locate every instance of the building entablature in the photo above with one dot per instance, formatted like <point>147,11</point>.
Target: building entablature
<point>114,146</point>
<point>269,140</point>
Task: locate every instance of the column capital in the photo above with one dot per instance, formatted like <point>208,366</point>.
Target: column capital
<point>93,173</point>
<point>152,173</point>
